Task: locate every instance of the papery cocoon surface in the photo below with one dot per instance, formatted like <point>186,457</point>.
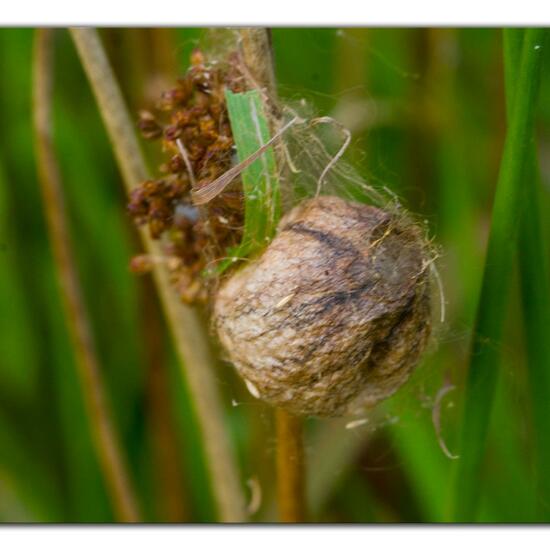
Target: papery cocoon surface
<point>334,314</point>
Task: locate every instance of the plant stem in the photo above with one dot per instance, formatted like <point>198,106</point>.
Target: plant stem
<point>172,506</point>
<point>255,45</point>
<point>487,339</point>
<point>290,467</point>
<point>188,333</point>
<point>535,287</point>
<point>257,56</point>
<point>99,416</point>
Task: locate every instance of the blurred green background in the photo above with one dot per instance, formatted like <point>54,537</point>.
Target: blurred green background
<point>426,108</point>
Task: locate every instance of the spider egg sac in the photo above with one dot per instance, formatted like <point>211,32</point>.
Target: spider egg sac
<point>334,314</point>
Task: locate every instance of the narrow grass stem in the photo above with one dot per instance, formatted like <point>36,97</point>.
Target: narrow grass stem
<point>255,45</point>
<point>104,437</point>
<point>487,338</point>
<point>188,333</point>
<point>170,497</point>
<point>290,468</point>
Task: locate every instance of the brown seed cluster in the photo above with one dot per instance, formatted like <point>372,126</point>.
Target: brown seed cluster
<point>334,314</point>
<point>192,123</point>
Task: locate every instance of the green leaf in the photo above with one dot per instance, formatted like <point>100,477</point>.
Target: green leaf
<point>250,129</point>
<point>535,288</point>
<point>487,338</point>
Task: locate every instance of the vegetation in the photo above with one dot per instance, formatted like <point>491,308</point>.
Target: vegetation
<point>127,412</point>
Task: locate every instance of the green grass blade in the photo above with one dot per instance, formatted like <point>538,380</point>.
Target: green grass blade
<point>32,481</point>
<point>535,290</point>
<point>485,355</point>
<point>250,129</point>
<point>19,368</point>
<point>424,464</point>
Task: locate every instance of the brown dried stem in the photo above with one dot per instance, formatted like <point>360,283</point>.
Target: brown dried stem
<point>256,51</point>
<point>187,331</point>
<point>290,467</point>
<point>257,56</point>
<point>172,505</point>
<point>99,417</point>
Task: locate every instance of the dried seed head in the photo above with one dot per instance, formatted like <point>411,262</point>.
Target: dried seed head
<point>192,124</point>
<point>334,314</point>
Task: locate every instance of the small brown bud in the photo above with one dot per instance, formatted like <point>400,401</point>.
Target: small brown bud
<point>141,264</point>
<point>334,314</point>
<point>149,127</point>
<point>197,57</point>
<point>171,133</point>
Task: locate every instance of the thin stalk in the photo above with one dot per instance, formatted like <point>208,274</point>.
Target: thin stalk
<point>187,331</point>
<point>256,52</point>
<point>172,505</point>
<point>290,468</point>
<point>104,437</point>
<point>257,56</point>
<point>487,338</point>
<point>535,288</point>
